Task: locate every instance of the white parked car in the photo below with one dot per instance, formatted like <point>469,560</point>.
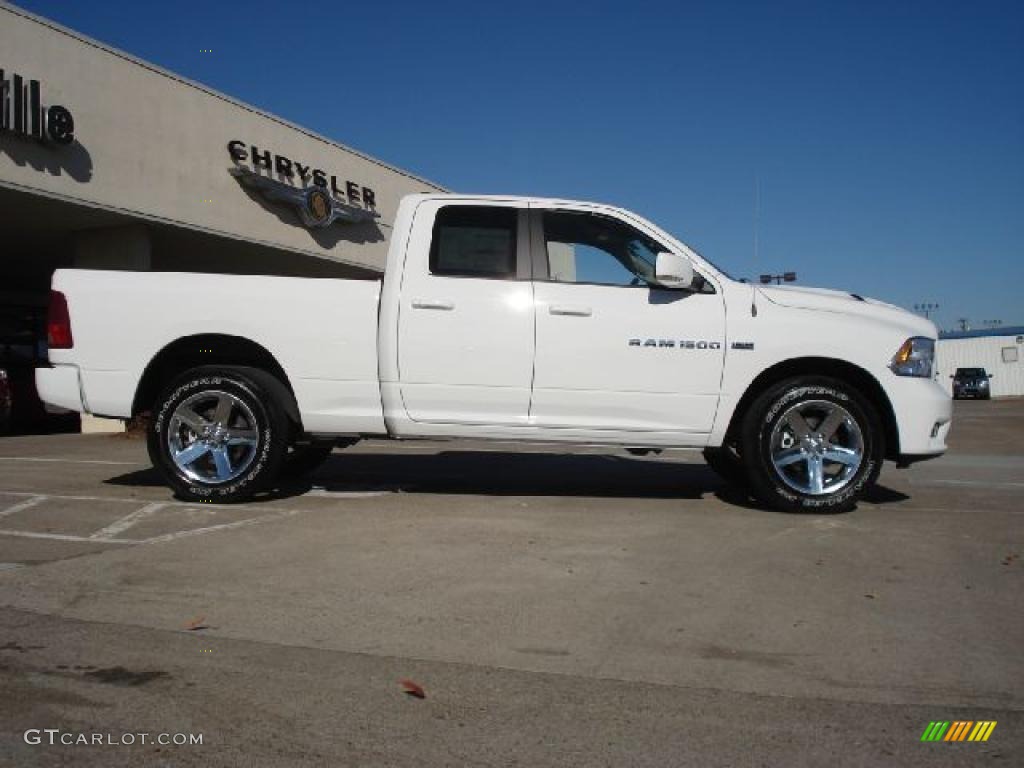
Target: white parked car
<point>504,318</point>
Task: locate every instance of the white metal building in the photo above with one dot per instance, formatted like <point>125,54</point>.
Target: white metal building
<point>1000,351</point>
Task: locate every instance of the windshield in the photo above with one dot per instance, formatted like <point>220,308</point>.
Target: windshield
<point>705,258</point>
<point>971,372</point>
<point>713,264</point>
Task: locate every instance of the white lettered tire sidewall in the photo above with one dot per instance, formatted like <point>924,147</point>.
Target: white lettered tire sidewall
<point>271,424</point>
<point>761,420</point>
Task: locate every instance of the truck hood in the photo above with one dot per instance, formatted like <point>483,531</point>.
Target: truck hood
<point>827,300</point>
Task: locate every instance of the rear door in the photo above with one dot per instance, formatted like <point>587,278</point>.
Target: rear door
<point>466,316</point>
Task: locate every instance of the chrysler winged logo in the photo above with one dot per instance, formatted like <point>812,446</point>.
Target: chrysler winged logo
<point>315,205</point>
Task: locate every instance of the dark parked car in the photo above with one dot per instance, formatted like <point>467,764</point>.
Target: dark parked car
<point>971,382</point>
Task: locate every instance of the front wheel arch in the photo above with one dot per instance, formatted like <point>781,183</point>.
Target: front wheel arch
<point>829,367</point>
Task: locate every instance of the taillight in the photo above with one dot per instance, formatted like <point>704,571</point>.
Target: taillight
<point>58,323</point>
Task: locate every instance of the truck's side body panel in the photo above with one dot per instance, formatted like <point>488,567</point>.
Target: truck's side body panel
<point>321,332</point>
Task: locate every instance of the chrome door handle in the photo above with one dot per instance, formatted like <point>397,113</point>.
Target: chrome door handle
<point>446,306</point>
<point>572,310</point>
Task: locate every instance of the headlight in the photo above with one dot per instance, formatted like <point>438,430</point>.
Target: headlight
<point>916,357</point>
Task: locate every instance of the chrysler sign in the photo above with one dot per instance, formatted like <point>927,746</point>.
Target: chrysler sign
<point>320,200</point>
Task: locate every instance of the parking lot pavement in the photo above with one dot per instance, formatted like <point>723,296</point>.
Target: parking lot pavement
<point>581,609</point>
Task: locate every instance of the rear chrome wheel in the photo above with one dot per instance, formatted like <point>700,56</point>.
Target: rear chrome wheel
<point>212,437</point>
<point>219,434</point>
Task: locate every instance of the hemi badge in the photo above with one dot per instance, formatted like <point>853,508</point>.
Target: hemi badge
<point>743,345</point>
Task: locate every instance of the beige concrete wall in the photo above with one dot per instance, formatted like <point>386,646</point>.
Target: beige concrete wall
<point>151,144</point>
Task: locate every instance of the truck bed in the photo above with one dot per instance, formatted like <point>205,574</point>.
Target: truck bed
<point>323,333</point>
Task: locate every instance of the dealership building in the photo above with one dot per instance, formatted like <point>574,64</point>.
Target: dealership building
<point>109,162</point>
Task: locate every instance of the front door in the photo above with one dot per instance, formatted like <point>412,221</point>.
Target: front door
<point>614,351</point>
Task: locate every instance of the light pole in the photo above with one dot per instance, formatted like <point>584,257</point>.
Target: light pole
<point>785,277</point>
<point>926,308</point>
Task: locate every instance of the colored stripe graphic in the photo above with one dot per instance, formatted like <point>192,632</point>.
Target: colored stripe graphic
<point>982,730</point>
<point>958,730</point>
<point>934,731</point>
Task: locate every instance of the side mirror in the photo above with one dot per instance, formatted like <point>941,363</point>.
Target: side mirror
<point>951,376</point>
<point>673,271</point>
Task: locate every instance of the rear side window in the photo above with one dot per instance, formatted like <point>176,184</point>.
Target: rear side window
<point>474,241</point>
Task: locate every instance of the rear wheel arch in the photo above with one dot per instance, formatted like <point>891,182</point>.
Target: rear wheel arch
<point>842,370</point>
<point>204,350</point>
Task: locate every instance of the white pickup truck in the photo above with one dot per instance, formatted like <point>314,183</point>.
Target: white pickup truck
<point>503,318</point>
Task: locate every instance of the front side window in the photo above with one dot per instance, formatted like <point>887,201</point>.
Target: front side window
<point>474,241</point>
<point>590,248</point>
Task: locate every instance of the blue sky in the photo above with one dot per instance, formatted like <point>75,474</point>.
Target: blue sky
<point>887,139</point>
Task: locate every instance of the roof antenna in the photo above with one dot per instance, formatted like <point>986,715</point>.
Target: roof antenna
<point>757,216</point>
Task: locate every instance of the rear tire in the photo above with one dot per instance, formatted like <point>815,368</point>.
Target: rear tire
<point>812,444</point>
<point>219,434</point>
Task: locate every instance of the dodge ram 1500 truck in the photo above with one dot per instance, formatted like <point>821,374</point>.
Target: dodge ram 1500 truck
<point>503,318</point>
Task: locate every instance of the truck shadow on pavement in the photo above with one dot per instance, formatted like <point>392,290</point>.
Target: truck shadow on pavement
<point>501,473</point>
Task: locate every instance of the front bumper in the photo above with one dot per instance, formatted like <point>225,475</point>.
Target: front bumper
<point>60,385</point>
<point>970,392</point>
<point>924,412</point>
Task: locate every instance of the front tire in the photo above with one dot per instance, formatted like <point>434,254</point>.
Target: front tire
<point>304,456</point>
<point>728,466</point>
<point>219,434</point>
<point>812,444</point>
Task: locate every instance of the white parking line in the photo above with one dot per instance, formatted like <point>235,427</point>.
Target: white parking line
<point>111,533</point>
<point>126,522</point>
<point>279,515</point>
<point>72,461</point>
<point>73,498</point>
<point>27,504</point>
<point>65,537</point>
<point>319,492</point>
<point>122,500</point>
<point>977,483</point>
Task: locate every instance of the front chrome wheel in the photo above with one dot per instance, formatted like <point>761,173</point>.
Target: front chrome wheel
<point>212,437</point>
<point>816,447</point>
